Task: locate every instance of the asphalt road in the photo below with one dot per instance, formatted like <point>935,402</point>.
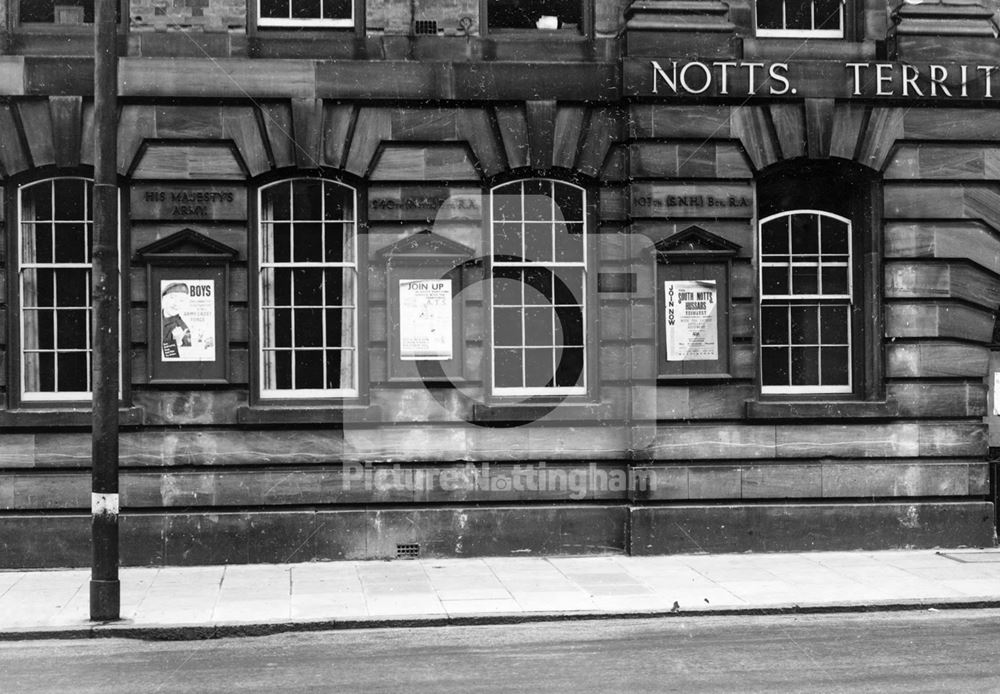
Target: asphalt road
<point>947,651</point>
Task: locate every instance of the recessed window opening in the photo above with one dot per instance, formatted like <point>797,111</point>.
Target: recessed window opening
<point>308,289</point>
<point>538,288</point>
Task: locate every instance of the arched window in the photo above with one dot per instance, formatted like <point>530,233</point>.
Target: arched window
<point>55,225</point>
<point>806,298</point>
<point>818,249</point>
<point>538,244</point>
<point>307,284</point>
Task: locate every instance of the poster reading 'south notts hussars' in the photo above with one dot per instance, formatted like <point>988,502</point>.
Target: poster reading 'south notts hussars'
<point>187,321</point>
<point>692,334</point>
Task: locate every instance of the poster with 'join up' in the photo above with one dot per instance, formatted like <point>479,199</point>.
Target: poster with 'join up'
<point>425,320</point>
<point>691,311</point>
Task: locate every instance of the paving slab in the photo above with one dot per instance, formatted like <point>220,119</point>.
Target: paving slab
<point>200,602</point>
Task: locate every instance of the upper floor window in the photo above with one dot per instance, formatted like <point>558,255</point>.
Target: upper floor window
<point>308,289</point>
<point>801,18</point>
<point>538,288</point>
<point>55,11</point>
<point>54,268</point>
<point>305,13</point>
<point>535,14</point>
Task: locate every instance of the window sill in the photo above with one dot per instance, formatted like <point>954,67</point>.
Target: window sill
<point>308,414</point>
<point>64,417</point>
<point>826,409</point>
<point>517,414</point>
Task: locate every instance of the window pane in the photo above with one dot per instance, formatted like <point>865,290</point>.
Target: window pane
<point>307,242</point>
<point>538,326</point>
<point>73,370</point>
<point>769,14</point>
<point>44,325</point>
<point>36,201</point>
<point>507,206</point>
<point>281,367</point>
<point>834,320</point>
<point>539,370</point>
<point>71,243</point>
<point>309,328</point>
<point>71,11</point>
<point>774,325</point>
<point>568,284</point>
<point>569,203</point>
<point>569,243</point>
<point>71,329</point>
<point>308,368</point>
<point>775,280</point>
<point>798,14</point>
<point>277,200</point>
<point>804,325</point>
<point>308,286</point>
<point>507,241</point>
<point>569,320</point>
<point>507,286</point>
<point>805,366</point>
<point>507,327</point>
<point>537,201</point>
<point>835,366</point>
<point>278,242</point>
<point>517,14</point>
<point>70,199</point>
<point>538,242</point>
<point>37,243</point>
<point>569,371</point>
<point>774,237</point>
<point>72,287</point>
<point>339,325</point>
<point>282,328</point>
<point>805,234</point>
<point>804,280</point>
<point>337,242</point>
<point>508,365</point>
<point>834,237</point>
<point>834,280</point>
<point>339,286</point>
<point>774,366</point>
<point>339,368</point>
<point>538,286</point>
<point>828,14</point>
<point>307,195</point>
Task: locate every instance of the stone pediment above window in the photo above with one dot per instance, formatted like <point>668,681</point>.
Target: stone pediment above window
<point>425,244</point>
<point>694,243</point>
<point>185,246</point>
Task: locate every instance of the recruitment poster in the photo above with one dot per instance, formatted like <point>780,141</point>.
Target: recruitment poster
<point>691,311</point>
<point>187,320</point>
<point>425,320</point>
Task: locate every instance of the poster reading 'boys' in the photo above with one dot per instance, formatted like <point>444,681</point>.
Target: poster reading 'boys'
<point>187,323</point>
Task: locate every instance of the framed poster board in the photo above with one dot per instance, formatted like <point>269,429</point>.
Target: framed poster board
<point>693,305</point>
<point>187,278</point>
<point>187,324</point>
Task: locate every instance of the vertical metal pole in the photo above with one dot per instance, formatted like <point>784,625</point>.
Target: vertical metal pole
<point>105,590</point>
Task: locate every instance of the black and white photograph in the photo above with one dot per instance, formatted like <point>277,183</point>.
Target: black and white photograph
<point>499,346</point>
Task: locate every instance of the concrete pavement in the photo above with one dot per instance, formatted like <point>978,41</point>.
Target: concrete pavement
<point>207,601</point>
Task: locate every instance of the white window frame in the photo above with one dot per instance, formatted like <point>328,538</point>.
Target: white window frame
<point>318,23</point>
<point>58,396</point>
<point>352,266</point>
<point>792,299</point>
<point>553,265</point>
<point>803,33</point>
